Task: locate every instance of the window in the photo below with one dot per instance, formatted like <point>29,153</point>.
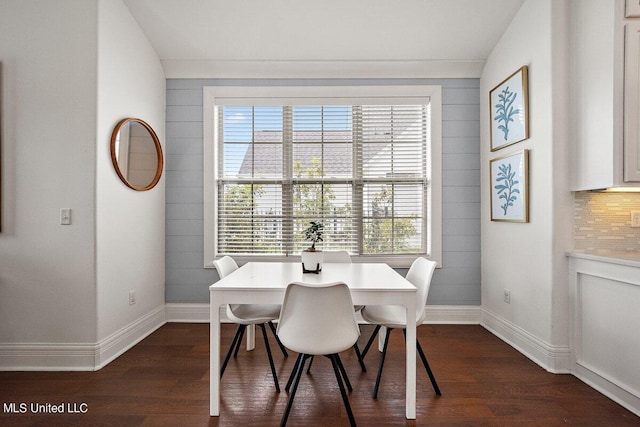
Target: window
<point>366,166</point>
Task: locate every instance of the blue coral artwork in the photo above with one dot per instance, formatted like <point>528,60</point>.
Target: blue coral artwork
<point>509,115</point>
<point>509,185</point>
<point>505,110</point>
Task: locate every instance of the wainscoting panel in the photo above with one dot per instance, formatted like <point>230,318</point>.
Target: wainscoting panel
<point>607,328</point>
<point>606,348</point>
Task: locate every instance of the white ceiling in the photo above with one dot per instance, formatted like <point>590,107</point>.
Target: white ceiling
<point>193,31</point>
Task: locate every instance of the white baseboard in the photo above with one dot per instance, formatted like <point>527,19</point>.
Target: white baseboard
<point>47,357</point>
<point>79,357</point>
<point>54,356</point>
<point>445,314</point>
<point>189,312</point>
<point>627,398</point>
<point>117,343</point>
<point>453,314</point>
<point>556,359</point>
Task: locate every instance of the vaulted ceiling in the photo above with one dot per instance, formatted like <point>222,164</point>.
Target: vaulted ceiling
<point>323,30</point>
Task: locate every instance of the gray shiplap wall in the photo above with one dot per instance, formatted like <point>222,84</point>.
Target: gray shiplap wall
<point>457,283</point>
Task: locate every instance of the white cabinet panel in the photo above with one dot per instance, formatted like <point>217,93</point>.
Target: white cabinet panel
<point>605,296</point>
<point>633,9</point>
<point>608,319</point>
<point>605,93</point>
<point>632,103</point>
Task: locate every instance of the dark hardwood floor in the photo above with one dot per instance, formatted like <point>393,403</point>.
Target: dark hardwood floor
<point>164,381</point>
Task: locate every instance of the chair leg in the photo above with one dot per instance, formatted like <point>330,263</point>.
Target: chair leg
<point>297,374</point>
<point>282,347</point>
<point>360,359</point>
<point>371,339</point>
<point>384,354</point>
<point>231,348</point>
<point>335,361</point>
<point>344,373</point>
<point>342,370</point>
<point>242,329</point>
<point>293,372</point>
<point>426,365</point>
<point>273,368</point>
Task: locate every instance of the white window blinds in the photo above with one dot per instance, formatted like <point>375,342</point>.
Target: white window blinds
<point>360,169</point>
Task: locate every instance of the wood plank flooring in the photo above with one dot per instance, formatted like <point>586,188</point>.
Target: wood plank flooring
<point>164,381</point>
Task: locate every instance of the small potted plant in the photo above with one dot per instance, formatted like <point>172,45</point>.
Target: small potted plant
<point>312,257</point>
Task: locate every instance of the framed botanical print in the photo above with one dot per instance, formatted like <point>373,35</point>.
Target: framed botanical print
<point>509,110</point>
<point>510,187</point>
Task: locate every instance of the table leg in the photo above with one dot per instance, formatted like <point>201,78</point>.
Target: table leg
<point>381,334</point>
<point>251,337</point>
<point>411,363</point>
<point>214,359</point>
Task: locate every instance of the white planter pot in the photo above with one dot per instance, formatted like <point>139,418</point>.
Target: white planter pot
<point>311,261</point>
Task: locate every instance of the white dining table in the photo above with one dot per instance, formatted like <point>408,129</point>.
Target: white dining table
<point>266,282</point>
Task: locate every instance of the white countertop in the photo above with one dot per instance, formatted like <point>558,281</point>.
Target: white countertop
<point>630,258</point>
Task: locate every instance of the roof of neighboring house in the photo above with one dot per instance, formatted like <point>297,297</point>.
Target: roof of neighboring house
<point>333,147</point>
<point>336,153</point>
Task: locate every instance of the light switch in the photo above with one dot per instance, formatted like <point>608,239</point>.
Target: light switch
<point>635,219</point>
<point>65,216</point>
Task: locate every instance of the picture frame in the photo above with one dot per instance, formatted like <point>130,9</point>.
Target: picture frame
<point>509,110</point>
<point>509,180</point>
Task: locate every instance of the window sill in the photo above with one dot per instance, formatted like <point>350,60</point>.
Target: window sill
<point>394,261</point>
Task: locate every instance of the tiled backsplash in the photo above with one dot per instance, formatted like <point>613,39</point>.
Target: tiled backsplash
<point>603,221</point>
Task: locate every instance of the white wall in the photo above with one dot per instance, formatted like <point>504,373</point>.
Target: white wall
<point>129,223</point>
<point>562,207</point>
<point>70,70</point>
<point>47,271</point>
<point>528,259</point>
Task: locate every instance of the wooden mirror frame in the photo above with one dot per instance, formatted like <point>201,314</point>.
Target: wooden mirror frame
<point>156,141</point>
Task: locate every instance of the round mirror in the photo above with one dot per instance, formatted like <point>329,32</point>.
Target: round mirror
<point>136,154</point>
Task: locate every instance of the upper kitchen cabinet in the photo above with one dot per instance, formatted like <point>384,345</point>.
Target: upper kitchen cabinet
<point>633,9</point>
<point>632,102</point>
<point>605,94</point>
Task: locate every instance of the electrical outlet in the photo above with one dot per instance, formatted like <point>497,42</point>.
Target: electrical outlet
<point>132,297</point>
<point>635,219</point>
<point>507,296</point>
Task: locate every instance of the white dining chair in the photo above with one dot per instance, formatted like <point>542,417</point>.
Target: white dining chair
<point>318,320</point>
<point>394,317</point>
<point>249,314</point>
<point>341,257</point>
<point>336,256</point>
